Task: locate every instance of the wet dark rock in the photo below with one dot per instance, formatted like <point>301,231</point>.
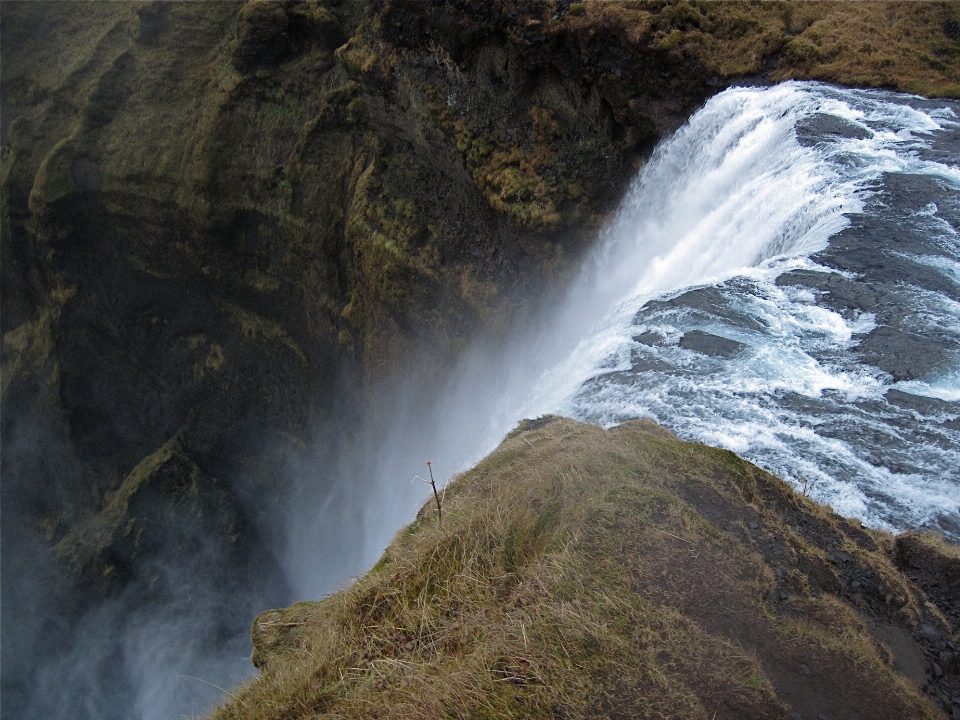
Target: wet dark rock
<point>921,404</point>
<point>709,303</point>
<point>653,339</point>
<point>913,192</point>
<point>884,276</point>
<point>905,355</point>
<point>812,131</point>
<point>646,362</point>
<point>840,293</point>
<point>708,344</point>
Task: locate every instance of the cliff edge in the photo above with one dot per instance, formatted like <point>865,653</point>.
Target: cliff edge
<point>580,572</point>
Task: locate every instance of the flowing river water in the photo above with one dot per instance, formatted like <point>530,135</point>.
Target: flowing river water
<point>785,283</point>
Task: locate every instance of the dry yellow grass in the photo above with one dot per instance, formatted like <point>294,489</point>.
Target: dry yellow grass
<point>585,573</point>
<point>905,46</point>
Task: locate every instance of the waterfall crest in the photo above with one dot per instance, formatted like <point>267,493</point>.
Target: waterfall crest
<point>750,190</point>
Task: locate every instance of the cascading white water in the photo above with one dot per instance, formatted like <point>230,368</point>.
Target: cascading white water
<point>735,193</point>
<point>732,189</point>
<point>797,398</point>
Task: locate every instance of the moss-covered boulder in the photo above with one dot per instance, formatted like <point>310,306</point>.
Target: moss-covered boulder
<point>166,500</point>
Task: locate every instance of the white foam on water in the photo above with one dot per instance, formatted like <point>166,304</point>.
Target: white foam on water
<point>733,189</point>
<point>800,349</point>
<point>946,387</point>
<point>794,403</point>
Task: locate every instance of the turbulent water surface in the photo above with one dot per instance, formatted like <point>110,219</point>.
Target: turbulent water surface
<point>786,284</point>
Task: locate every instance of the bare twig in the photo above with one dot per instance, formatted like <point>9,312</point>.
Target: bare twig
<point>436,496</point>
<point>677,537</point>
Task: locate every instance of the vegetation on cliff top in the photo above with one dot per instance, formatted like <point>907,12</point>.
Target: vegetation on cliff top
<point>581,572</point>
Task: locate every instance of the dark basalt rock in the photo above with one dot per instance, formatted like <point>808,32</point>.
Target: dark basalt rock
<point>653,339</point>
<point>921,404</point>
<point>707,302</point>
<point>708,344</point>
<point>905,355</point>
<point>812,131</point>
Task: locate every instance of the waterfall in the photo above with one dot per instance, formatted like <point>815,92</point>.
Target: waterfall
<point>752,188</point>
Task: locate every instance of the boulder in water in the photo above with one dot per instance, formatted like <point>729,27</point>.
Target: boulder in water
<point>707,344</point>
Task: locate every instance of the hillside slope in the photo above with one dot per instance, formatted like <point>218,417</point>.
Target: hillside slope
<point>578,572</point>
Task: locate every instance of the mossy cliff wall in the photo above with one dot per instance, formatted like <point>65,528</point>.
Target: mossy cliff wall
<point>220,218</point>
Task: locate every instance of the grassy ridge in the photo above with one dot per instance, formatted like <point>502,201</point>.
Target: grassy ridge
<point>583,573</point>
<point>908,46</point>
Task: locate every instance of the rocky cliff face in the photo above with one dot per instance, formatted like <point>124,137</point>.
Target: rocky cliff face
<point>222,221</point>
<point>215,214</point>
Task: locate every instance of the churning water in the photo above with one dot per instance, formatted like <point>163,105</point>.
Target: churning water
<point>783,280</point>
